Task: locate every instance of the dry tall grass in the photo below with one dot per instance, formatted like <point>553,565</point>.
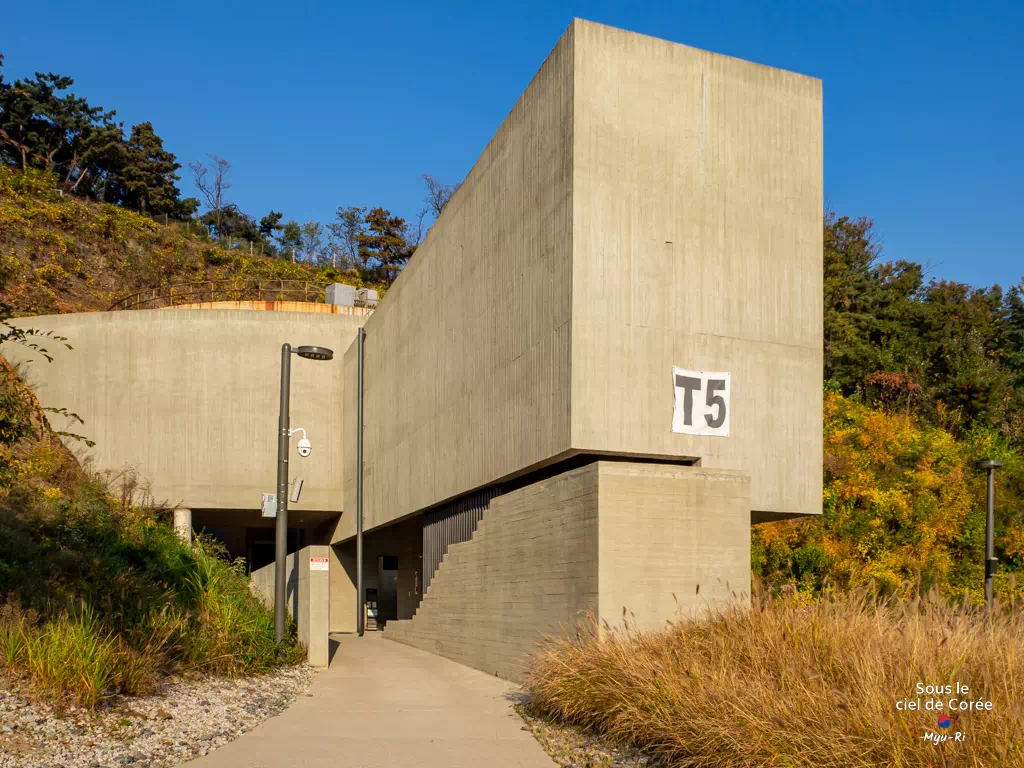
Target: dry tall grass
<point>791,682</point>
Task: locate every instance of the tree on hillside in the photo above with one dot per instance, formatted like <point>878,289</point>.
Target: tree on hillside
<point>946,347</point>
<point>212,182</point>
<point>271,224</point>
<point>384,249</point>
<point>1013,427</point>
<point>234,224</point>
<point>291,238</point>
<point>312,239</point>
<point>348,225</point>
<point>436,198</point>
<point>962,336</point>
<point>438,194</point>
<point>145,175</point>
<point>1015,331</point>
<point>43,127</point>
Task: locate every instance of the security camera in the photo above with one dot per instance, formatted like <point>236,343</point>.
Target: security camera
<point>305,448</point>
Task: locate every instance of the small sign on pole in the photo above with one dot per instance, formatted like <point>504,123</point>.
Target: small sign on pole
<point>269,505</point>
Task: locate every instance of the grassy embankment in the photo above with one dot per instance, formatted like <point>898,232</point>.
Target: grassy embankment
<point>797,682</point>
<point>97,593</point>
<point>63,254</point>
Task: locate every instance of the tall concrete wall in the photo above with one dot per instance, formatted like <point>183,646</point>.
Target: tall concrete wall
<point>697,240</point>
<point>467,356</point>
<point>644,205</point>
<point>600,538</point>
<point>190,398</point>
<point>306,596</point>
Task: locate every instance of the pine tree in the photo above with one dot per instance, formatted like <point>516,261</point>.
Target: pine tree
<point>384,249</point>
<point>145,179</point>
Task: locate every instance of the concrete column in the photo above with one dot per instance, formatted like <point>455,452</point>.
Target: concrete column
<point>183,524</point>
<point>314,613</point>
<point>307,596</point>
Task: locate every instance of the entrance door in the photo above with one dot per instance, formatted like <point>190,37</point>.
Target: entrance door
<point>387,588</point>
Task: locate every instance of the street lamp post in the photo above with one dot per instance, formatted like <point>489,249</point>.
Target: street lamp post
<point>991,465</point>
<point>283,434</point>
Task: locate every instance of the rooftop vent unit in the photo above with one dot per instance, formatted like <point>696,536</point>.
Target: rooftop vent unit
<point>366,297</point>
<point>341,295</point>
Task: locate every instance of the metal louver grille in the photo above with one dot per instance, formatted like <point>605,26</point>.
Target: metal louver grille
<point>450,524</point>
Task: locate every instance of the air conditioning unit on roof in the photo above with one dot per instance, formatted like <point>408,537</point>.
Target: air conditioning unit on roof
<point>366,297</point>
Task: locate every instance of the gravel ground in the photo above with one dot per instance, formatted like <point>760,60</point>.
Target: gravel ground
<point>572,748</point>
<point>188,719</point>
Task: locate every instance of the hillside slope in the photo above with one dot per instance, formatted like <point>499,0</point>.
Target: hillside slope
<point>63,254</point>
<point>97,592</point>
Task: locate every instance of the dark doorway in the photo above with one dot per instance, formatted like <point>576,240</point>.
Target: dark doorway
<point>387,589</point>
<point>261,547</point>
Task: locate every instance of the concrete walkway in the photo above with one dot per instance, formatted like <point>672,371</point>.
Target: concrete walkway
<point>386,705</point>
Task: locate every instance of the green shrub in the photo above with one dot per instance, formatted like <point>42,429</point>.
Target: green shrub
<point>216,257</point>
<point>73,655</point>
<point>101,594</point>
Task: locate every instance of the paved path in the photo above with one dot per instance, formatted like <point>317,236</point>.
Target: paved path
<point>386,705</point>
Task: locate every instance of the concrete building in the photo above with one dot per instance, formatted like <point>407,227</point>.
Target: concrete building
<point>188,400</point>
<point>603,362</point>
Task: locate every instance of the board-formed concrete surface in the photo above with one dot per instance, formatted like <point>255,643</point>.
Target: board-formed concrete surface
<point>697,240</point>
<point>385,705</point>
<point>645,205</point>
<point>189,398</point>
<point>467,356</point>
<point>603,538</point>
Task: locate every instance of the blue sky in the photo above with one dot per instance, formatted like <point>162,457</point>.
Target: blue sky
<point>318,105</point>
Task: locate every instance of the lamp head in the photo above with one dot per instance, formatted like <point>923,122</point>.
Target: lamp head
<point>989,464</point>
<point>315,353</point>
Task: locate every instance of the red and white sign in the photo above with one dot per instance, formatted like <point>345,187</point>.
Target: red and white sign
<point>318,563</point>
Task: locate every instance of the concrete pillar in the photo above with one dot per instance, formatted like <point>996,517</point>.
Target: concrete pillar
<point>307,595</point>
<point>314,613</point>
<point>183,524</point>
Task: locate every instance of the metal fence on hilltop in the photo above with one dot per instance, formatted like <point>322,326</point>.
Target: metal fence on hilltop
<point>238,289</point>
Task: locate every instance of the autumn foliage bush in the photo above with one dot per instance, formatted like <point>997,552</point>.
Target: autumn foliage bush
<point>903,504</point>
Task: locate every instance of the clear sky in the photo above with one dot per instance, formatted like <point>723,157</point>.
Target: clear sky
<point>318,105</point>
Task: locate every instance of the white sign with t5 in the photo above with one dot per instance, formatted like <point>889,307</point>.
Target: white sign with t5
<point>701,402</point>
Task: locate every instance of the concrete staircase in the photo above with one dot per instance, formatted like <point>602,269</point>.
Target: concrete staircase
<point>527,571</point>
<point>653,540</point>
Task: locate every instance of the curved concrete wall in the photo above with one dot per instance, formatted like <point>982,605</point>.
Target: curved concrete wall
<point>190,398</point>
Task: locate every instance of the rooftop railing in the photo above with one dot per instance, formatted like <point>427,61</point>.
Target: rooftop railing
<point>239,289</point>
